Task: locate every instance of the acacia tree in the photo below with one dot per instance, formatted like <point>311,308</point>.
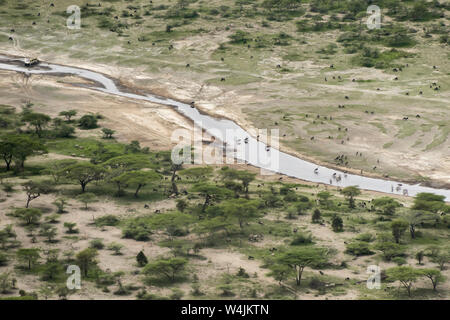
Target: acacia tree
<point>29,215</point>
<point>350,193</point>
<point>55,168</point>
<point>18,148</point>
<point>405,275</point>
<point>241,210</point>
<point>34,190</point>
<point>398,229</point>
<point>301,257</point>
<point>430,202</point>
<point>416,218</point>
<point>48,232</point>
<point>171,222</point>
<point>37,120</point>
<point>386,205</point>
<point>434,275</point>
<point>87,198</point>
<point>117,166</point>
<point>244,176</point>
<point>84,173</point>
<point>169,268</point>
<point>441,258</point>
<point>68,114</point>
<point>213,226</point>
<point>211,193</point>
<point>197,173</point>
<point>139,179</point>
<point>7,152</point>
<point>86,259</point>
<point>30,256</point>
<point>280,272</point>
<point>324,197</point>
<point>108,133</point>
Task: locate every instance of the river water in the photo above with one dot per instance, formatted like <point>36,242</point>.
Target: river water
<point>243,146</point>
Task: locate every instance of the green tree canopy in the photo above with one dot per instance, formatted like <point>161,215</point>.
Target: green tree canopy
<point>240,210</point>
<point>434,275</point>
<point>430,202</point>
<point>197,173</point>
<point>350,193</point>
<point>84,173</point>
<point>386,205</point>
<point>244,177</point>
<point>28,255</point>
<point>18,148</point>
<point>37,120</point>
<point>87,198</point>
<point>398,227</point>
<point>34,190</point>
<point>405,275</point>
<point>68,114</point>
<point>86,259</point>
<point>300,257</point>
<point>88,121</point>
<point>169,268</point>
<point>138,178</point>
<point>211,192</point>
<point>29,215</point>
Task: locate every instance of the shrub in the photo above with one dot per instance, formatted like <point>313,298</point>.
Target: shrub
<point>64,131</point>
<point>88,121</point>
<point>316,283</point>
<point>316,216</point>
<point>141,259</point>
<point>290,197</point>
<point>302,239</point>
<point>242,273</point>
<point>358,248</point>
<point>116,247</point>
<point>390,250</point>
<point>97,244</point>
<point>366,237</point>
<point>337,223</point>
<point>108,220</point>
<point>137,230</point>
<point>3,259</point>
<point>399,261</point>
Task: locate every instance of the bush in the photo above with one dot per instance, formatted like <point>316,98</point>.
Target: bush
<point>358,248</point>
<point>242,273</point>
<point>290,197</point>
<point>97,244</point>
<point>399,261</point>
<point>3,259</point>
<point>316,216</point>
<point>390,250</point>
<point>240,37</point>
<point>366,237</point>
<point>137,230</point>
<point>108,220</point>
<point>64,131</point>
<point>88,122</point>
<point>316,283</point>
<point>337,223</point>
<point>302,239</point>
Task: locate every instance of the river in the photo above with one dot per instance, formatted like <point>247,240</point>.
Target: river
<point>286,164</point>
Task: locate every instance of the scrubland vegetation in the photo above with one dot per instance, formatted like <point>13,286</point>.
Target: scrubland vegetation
<point>142,227</point>
<point>275,229</point>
